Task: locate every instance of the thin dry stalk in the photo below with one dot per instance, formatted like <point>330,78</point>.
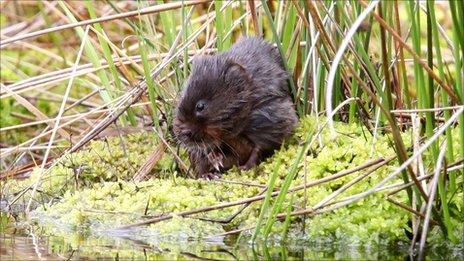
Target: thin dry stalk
<point>440,109</point>
<point>433,190</point>
<point>231,232</point>
<point>57,122</point>
<point>246,184</point>
<point>254,17</point>
<point>179,161</point>
<point>416,139</point>
<point>409,209</point>
<point>234,215</point>
<point>150,163</point>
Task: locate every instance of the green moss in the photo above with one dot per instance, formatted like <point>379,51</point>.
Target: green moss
<point>96,192</point>
<point>7,74</point>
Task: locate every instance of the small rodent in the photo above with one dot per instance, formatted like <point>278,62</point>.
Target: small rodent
<point>235,108</point>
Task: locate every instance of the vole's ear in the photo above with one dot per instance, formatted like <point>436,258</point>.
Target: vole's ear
<point>235,75</point>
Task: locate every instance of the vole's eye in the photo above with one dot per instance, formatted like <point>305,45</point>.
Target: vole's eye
<point>200,106</point>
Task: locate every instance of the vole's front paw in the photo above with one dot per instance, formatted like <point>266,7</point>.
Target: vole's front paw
<point>210,176</point>
<point>216,159</point>
<point>252,161</point>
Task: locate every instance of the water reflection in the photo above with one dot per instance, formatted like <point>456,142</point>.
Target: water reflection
<point>19,241</point>
<point>24,245</point>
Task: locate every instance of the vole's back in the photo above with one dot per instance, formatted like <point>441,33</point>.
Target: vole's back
<point>273,116</point>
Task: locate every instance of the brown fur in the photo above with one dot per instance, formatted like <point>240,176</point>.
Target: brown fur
<point>235,108</point>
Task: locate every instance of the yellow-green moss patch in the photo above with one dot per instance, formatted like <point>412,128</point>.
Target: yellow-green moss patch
<point>92,190</point>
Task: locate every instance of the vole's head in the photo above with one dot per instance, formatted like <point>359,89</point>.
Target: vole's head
<point>214,103</point>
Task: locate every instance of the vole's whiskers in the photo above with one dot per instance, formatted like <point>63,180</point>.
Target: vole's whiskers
<point>220,150</point>
<point>232,149</point>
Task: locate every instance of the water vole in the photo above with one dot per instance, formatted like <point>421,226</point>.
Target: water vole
<point>235,108</point>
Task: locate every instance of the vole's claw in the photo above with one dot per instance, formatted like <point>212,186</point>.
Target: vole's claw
<point>216,160</point>
<point>216,165</point>
<point>211,176</point>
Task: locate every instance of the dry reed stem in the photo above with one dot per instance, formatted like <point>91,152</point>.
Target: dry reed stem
<point>433,190</point>
<point>437,109</point>
<point>409,209</point>
<point>58,118</point>
<point>150,163</point>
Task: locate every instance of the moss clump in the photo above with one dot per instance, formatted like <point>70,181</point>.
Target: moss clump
<point>103,195</point>
<point>111,159</point>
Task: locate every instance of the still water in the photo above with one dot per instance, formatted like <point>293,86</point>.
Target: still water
<point>23,241</point>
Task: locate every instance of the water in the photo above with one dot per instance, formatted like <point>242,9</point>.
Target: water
<point>23,241</point>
